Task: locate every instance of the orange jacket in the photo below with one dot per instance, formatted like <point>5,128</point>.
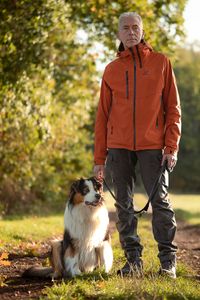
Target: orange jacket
<point>139,105</point>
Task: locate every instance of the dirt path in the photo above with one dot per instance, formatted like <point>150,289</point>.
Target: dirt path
<point>188,241</point>
<point>19,288</point>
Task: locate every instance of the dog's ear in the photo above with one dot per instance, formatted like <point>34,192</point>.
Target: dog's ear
<point>75,188</point>
<point>96,183</point>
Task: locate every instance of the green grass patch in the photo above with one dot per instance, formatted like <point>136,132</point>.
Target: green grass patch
<point>98,285</point>
<point>111,287</point>
<point>15,232</point>
<point>187,207</point>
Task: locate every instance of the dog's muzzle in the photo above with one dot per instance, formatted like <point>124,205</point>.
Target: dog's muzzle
<point>97,202</point>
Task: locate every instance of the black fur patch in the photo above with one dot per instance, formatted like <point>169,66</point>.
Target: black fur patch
<point>76,187</point>
<point>67,241</point>
<point>97,185</point>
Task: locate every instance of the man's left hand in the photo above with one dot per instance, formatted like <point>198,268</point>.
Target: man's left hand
<point>171,161</point>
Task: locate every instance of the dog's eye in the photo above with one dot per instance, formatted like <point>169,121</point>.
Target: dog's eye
<point>85,190</point>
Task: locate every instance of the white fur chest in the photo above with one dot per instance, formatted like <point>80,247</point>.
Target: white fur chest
<point>87,225</point>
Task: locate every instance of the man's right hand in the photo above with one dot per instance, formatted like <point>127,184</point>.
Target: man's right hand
<point>99,171</point>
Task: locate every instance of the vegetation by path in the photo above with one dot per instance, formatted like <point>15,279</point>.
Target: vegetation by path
<point>27,243</point>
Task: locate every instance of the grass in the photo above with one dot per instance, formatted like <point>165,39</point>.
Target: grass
<point>18,233</point>
<point>112,287</point>
<point>187,207</point>
<point>23,233</point>
<point>99,285</point>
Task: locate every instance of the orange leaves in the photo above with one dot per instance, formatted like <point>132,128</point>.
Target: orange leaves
<point>4,259</point>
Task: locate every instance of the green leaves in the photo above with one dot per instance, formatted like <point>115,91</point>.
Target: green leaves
<point>187,71</point>
<point>23,32</point>
<point>162,19</point>
<point>49,88</point>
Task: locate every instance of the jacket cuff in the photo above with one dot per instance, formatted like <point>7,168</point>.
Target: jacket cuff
<point>169,150</point>
<point>99,162</point>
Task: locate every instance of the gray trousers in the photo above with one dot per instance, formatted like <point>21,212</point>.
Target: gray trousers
<point>121,166</point>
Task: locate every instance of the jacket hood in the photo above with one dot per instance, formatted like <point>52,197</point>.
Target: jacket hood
<point>143,47</point>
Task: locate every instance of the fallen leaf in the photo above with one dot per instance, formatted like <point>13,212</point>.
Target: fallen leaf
<point>4,259</point>
<point>4,255</point>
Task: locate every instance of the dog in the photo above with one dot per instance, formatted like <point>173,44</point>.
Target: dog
<point>86,242</point>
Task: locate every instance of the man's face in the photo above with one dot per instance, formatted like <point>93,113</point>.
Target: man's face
<point>130,31</point>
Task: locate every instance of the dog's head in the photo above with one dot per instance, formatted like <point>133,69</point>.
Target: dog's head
<point>86,191</point>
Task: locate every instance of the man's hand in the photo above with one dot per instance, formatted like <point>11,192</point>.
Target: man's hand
<point>99,172</point>
<point>171,161</point>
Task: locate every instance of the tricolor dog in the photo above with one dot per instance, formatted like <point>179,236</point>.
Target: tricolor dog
<point>86,243</point>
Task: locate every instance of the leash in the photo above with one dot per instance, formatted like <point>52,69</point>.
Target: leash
<point>152,193</point>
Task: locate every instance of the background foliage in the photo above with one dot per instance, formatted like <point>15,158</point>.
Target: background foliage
<point>49,89</point>
<point>187,70</point>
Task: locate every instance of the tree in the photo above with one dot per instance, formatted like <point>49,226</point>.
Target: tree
<point>45,104</point>
<point>49,88</point>
<point>187,70</point>
<point>163,20</point>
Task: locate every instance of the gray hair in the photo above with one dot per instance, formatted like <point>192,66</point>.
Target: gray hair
<point>129,14</point>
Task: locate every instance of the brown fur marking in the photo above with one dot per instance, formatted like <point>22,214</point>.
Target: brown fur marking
<point>56,259</point>
<point>78,198</point>
<point>69,252</point>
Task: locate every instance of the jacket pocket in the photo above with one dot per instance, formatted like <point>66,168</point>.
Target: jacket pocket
<point>110,129</point>
<point>127,85</point>
<point>157,122</point>
<point>160,120</point>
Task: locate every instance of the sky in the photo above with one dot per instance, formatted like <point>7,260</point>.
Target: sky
<point>192,21</point>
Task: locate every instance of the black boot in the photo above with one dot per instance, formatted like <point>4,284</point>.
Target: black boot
<point>133,268</point>
<point>168,269</point>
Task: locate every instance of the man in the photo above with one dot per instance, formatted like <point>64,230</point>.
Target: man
<point>138,120</point>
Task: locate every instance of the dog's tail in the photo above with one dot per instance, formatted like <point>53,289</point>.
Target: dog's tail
<point>39,272</point>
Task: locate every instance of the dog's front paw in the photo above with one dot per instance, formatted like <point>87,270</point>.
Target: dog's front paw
<point>56,275</point>
<point>76,272</point>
